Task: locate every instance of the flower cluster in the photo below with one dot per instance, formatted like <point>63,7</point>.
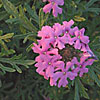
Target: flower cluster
<point>63,53</point>
<point>53,4</point>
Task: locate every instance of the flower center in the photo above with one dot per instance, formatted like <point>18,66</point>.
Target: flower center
<point>64,73</point>
<point>73,67</point>
<point>55,37</point>
<point>78,36</point>
<point>44,53</point>
<point>53,3</point>
<point>49,63</point>
<point>68,53</point>
<point>66,32</point>
<point>80,66</point>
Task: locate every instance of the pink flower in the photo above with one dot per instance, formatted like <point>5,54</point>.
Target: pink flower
<point>83,65</point>
<point>53,36</point>
<point>53,4</point>
<point>45,51</point>
<point>63,75</point>
<point>84,61</point>
<point>80,39</point>
<point>59,40</point>
<point>67,25</point>
<point>57,49</point>
<point>46,34</point>
<point>48,64</point>
<point>71,40</point>
<point>69,31</point>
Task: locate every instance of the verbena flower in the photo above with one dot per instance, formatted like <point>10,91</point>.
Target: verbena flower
<point>63,74</point>
<point>38,49</point>
<point>48,64</point>
<point>80,38</point>
<point>58,59</point>
<point>53,4</point>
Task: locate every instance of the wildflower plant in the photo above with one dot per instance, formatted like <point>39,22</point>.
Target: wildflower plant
<point>45,54</point>
<point>64,53</point>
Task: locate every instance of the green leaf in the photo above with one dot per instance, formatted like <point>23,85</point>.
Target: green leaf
<point>95,10</point>
<point>25,39</point>
<point>28,62</point>
<point>23,20</point>
<point>7,36</point>
<point>7,68</point>
<point>41,15</point>
<point>19,62</point>
<point>76,90</point>
<point>4,45</point>
<point>14,63</point>
<point>17,57</point>
<point>29,48</point>
<point>12,20</point>
<point>10,8</point>
<point>1,32</point>
<point>32,12</point>
<point>6,53</point>
<point>82,90</point>
<point>94,76</point>
<point>91,2</point>
<point>22,62</point>
<point>79,19</point>
<point>17,68</point>
<point>3,15</point>
<point>0,84</point>
<point>42,18</point>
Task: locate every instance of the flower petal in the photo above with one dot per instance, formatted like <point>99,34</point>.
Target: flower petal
<point>47,8</point>
<point>63,81</point>
<point>82,71</point>
<point>50,71</point>
<point>84,39</point>
<point>88,62</point>
<point>59,2</point>
<point>77,44</point>
<point>71,75</point>
<point>60,45</point>
<point>36,48</point>
<point>56,10</point>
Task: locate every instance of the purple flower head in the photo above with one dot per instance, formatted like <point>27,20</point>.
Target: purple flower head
<point>58,59</point>
<point>53,4</point>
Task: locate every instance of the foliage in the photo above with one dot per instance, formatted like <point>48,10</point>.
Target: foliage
<point>20,20</point>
